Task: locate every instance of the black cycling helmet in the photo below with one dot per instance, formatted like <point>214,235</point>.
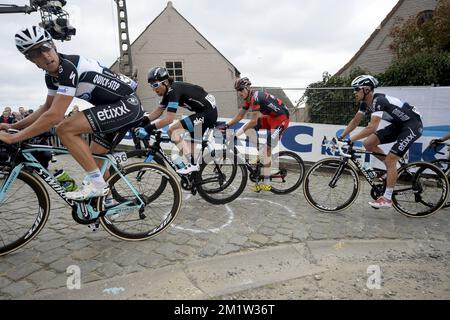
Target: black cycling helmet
<point>365,80</point>
<point>157,74</point>
<point>242,83</point>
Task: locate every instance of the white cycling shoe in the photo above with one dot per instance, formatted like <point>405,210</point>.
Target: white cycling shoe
<point>87,191</point>
<point>188,169</point>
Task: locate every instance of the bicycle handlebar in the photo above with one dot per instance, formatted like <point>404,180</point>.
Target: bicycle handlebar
<point>344,142</point>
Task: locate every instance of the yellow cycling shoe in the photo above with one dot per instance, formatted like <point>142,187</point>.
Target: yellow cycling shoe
<point>261,187</point>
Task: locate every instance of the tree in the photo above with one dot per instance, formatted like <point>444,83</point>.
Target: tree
<point>429,32</point>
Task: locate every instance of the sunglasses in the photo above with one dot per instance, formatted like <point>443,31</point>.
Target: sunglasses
<point>357,89</point>
<point>36,52</point>
<point>156,85</point>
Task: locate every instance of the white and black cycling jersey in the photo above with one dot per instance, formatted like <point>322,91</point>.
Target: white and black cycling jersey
<point>390,109</point>
<point>87,79</point>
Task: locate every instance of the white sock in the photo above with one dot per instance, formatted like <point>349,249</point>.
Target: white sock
<point>96,178</point>
<point>388,193</point>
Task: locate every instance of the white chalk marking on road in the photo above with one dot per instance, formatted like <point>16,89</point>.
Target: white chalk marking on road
<point>292,213</point>
<point>113,291</point>
<point>215,230</point>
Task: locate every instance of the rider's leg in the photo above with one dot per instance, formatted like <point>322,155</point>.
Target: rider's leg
<point>372,144</point>
<point>70,131</point>
<point>176,132</point>
<point>391,167</point>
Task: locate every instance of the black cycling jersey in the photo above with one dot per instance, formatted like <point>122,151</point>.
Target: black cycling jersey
<point>390,109</point>
<point>267,104</point>
<point>189,96</point>
<point>88,80</point>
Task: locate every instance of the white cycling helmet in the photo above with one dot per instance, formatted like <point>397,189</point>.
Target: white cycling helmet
<point>365,80</point>
<point>31,36</point>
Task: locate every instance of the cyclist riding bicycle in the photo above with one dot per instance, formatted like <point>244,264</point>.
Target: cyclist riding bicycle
<point>268,112</point>
<point>405,127</point>
<point>175,95</point>
<point>116,105</point>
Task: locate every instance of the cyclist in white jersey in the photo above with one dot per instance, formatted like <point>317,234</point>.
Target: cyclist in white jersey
<point>405,127</point>
<point>116,106</point>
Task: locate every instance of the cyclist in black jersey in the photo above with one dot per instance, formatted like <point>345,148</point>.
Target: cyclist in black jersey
<point>116,106</point>
<point>405,127</point>
<point>175,95</point>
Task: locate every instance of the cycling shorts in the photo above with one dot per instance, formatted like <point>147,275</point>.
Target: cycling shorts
<point>404,135</point>
<point>200,121</point>
<point>111,122</point>
<point>275,127</point>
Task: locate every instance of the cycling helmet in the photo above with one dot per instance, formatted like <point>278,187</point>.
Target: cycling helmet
<point>31,36</point>
<point>242,83</point>
<point>157,74</point>
<point>365,80</point>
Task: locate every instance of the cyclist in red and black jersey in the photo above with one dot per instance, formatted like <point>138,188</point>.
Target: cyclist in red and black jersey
<point>268,112</point>
<point>115,106</point>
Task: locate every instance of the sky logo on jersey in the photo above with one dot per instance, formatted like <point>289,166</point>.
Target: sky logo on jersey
<point>112,113</point>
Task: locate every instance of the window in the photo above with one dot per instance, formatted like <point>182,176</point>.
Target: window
<point>424,16</point>
<point>175,69</point>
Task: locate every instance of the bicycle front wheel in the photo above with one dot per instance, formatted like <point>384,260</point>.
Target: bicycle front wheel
<point>160,207</point>
<point>420,191</point>
<point>287,174</point>
<point>331,185</point>
<point>444,165</point>
<point>221,182</point>
<point>24,210</point>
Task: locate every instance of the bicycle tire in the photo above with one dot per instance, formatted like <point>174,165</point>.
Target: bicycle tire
<point>141,153</point>
<point>322,173</point>
<point>223,193</point>
<point>421,185</point>
<point>285,166</point>
<point>15,214</point>
<point>444,165</point>
<point>163,217</point>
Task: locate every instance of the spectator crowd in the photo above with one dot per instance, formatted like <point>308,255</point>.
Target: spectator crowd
<point>9,116</point>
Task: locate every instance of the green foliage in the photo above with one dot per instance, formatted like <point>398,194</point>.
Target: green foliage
<point>420,69</point>
<point>432,36</point>
<point>332,106</point>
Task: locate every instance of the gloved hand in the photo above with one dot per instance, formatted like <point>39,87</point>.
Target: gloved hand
<point>141,133</point>
<point>435,142</point>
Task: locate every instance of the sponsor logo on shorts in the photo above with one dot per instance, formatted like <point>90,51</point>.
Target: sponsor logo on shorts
<point>405,143</point>
<point>109,113</point>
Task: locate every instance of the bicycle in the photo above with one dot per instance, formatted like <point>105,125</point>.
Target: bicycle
<point>420,191</point>
<point>141,213</point>
<point>213,182</point>
<point>288,169</point>
<point>443,164</point>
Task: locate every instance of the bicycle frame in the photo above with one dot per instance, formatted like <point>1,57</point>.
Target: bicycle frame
<point>85,211</point>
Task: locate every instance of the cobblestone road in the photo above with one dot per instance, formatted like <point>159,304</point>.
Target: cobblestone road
<point>252,222</point>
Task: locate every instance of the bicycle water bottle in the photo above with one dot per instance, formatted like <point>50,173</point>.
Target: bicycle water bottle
<point>179,162</point>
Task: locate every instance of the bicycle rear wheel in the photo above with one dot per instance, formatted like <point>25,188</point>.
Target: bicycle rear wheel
<point>420,191</point>
<point>24,210</point>
<point>331,185</point>
<point>161,207</point>
<point>287,174</point>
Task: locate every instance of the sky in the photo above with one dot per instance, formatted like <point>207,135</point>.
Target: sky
<point>287,43</point>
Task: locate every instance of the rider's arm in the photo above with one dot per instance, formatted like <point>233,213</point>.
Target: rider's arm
<point>155,114</point>
<point>251,124</point>
<point>50,118</point>
<point>367,131</point>
<point>168,119</point>
<point>446,137</point>
<point>238,117</point>
<point>25,122</point>
<point>352,124</point>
